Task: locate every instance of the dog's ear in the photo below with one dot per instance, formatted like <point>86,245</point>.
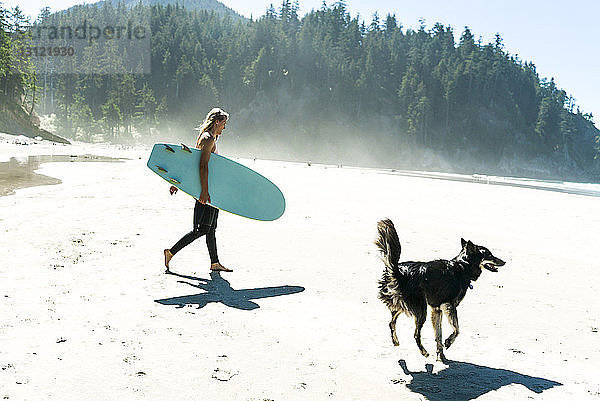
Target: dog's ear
<point>467,244</point>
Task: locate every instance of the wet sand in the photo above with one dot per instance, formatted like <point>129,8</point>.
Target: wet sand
<point>19,173</point>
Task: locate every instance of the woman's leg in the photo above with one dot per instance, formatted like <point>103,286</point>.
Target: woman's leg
<point>211,244</point>
<point>198,230</point>
<point>205,223</point>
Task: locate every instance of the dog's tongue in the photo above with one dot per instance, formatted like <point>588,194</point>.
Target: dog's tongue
<point>491,267</point>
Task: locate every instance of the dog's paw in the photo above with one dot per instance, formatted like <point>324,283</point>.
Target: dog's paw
<point>447,343</point>
<point>425,353</point>
<point>442,358</point>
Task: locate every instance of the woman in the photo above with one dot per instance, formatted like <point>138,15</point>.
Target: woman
<point>205,216</point>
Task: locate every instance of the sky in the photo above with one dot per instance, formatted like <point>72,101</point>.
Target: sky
<point>560,37</point>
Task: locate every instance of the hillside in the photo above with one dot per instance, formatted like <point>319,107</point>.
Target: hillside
<point>209,5</point>
<point>16,121</point>
<point>327,87</point>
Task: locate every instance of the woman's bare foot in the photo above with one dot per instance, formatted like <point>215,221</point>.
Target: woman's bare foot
<point>168,257</point>
<point>219,268</point>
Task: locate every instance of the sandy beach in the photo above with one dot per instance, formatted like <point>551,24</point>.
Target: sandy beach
<point>88,313</point>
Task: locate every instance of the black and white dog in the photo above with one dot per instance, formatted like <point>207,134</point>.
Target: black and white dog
<point>410,286</point>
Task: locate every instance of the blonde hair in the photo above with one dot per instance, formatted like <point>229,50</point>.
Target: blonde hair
<point>213,115</point>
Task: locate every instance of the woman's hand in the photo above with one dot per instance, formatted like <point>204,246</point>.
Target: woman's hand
<point>173,190</point>
<point>204,197</point>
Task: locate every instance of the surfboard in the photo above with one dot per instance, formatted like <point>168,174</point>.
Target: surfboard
<point>232,186</point>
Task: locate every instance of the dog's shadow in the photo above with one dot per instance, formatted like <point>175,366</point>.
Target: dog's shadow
<point>217,289</point>
<point>462,381</point>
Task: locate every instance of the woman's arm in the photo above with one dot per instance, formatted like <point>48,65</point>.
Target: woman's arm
<point>206,145</point>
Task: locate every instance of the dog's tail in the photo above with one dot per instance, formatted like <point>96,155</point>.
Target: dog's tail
<point>388,244</point>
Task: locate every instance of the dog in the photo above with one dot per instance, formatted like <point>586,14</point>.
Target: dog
<point>442,284</point>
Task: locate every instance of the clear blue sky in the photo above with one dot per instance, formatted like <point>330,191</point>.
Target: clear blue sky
<point>560,37</point>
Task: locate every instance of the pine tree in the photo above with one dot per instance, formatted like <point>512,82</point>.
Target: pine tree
<point>466,96</point>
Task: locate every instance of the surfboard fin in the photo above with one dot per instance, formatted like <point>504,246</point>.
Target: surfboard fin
<point>185,148</point>
<point>161,169</point>
<point>167,147</point>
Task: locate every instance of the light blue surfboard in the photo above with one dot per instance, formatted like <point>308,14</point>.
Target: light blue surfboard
<point>232,186</point>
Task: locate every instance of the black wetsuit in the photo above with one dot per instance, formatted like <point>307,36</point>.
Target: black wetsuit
<point>205,223</point>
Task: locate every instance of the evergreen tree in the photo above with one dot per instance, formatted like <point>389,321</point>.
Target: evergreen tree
<point>419,86</point>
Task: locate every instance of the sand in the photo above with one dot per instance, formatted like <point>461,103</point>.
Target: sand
<point>88,314</point>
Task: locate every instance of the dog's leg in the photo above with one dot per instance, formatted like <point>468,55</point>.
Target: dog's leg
<point>436,321</point>
<point>420,318</point>
<point>450,312</point>
<point>395,315</point>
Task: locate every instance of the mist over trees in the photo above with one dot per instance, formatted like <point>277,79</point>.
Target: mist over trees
<point>326,87</point>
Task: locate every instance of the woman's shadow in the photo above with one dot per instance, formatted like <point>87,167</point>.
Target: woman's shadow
<point>462,381</point>
<point>217,289</point>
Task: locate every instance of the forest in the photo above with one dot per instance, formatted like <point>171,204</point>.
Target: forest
<point>326,87</point>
